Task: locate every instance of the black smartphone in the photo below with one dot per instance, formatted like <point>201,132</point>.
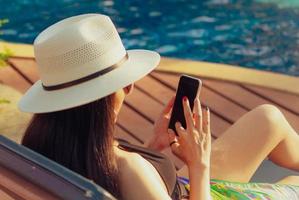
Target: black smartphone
<point>190,87</point>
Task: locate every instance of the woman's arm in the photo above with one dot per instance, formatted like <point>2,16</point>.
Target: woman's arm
<point>199,179</point>
<point>193,146</point>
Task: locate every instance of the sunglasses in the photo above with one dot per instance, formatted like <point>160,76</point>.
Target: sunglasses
<point>128,89</point>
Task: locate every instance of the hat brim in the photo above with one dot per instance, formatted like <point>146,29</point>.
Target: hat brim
<point>138,65</point>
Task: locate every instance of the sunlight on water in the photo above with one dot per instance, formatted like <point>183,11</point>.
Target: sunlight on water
<point>260,34</point>
<point>282,3</point>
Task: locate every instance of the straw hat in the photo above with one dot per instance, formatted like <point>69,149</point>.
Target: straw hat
<point>81,59</point>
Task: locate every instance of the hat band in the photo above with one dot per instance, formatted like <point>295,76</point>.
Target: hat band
<point>87,78</point>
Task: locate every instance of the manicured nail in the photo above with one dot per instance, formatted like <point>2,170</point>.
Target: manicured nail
<point>184,98</point>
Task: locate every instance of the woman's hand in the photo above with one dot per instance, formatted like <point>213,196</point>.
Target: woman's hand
<point>193,145</point>
<point>160,139</point>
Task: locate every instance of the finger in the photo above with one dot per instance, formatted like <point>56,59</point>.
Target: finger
<point>207,141</point>
<point>175,148</point>
<point>168,106</point>
<point>168,115</point>
<point>180,131</point>
<point>206,121</point>
<point>209,134</point>
<point>188,113</point>
<point>197,115</point>
<point>173,137</point>
<point>178,127</point>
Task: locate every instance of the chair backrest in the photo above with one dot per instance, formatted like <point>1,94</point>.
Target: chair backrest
<point>25,174</point>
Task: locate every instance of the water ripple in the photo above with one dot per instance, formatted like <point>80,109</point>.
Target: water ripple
<point>262,34</point>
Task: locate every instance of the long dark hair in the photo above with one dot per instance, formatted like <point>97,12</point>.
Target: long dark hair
<point>80,139</point>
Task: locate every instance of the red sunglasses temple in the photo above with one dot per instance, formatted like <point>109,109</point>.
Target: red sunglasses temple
<point>128,88</point>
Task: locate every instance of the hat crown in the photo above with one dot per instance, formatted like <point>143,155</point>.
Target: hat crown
<point>77,47</point>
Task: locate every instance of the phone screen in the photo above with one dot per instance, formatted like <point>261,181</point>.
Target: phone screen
<point>188,86</point>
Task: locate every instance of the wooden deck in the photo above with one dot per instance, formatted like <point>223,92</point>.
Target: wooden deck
<point>228,101</point>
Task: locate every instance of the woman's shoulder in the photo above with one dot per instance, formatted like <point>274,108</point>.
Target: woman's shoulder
<point>134,171</point>
<point>126,158</point>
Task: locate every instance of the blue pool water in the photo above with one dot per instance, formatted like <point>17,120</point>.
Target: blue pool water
<point>261,34</point>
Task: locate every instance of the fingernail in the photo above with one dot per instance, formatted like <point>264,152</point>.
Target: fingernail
<point>207,108</point>
<point>178,123</point>
<point>184,98</point>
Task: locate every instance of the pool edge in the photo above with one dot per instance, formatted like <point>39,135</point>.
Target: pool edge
<point>231,73</point>
<point>209,70</point>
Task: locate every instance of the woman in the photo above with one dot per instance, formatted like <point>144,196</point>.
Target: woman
<point>86,74</point>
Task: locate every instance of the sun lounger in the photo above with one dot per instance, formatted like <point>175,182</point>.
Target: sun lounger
<point>25,174</point>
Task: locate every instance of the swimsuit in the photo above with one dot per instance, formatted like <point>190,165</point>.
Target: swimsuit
<point>178,187</point>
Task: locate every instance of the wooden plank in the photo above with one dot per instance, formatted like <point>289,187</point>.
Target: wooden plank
<point>122,134</point>
<point>27,67</point>
<point>287,100</point>
<point>234,93</point>
<point>223,107</point>
<point>141,128</point>
<point>144,104</point>
<point>248,99</point>
<point>10,77</point>
<point>155,89</point>
<point>5,195</point>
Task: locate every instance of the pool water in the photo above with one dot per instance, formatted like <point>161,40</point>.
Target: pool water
<point>261,34</point>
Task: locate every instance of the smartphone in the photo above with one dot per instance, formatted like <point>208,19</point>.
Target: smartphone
<point>190,87</point>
